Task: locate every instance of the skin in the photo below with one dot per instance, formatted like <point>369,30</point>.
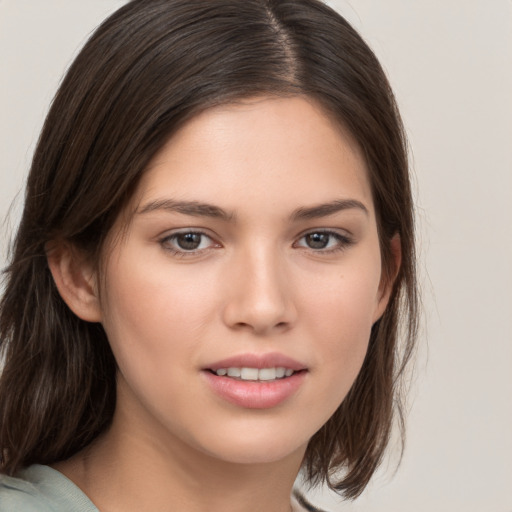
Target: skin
<point>254,285</point>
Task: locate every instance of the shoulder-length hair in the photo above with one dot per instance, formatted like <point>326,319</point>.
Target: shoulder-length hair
<point>146,70</point>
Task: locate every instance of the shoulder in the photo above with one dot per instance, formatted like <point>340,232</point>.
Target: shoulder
<point>19,495</point>
<point>41,489</point>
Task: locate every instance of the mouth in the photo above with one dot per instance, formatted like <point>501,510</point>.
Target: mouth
<point>255,374</point>
<point>257,367</point>
<point>256,381</point>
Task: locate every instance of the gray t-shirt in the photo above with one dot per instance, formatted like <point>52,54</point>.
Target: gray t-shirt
<point>43,489</point>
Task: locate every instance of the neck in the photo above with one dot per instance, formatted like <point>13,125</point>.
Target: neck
<point>130,468</point>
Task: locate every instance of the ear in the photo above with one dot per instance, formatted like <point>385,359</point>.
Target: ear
<point>388,280</point>
<point>76,281</point>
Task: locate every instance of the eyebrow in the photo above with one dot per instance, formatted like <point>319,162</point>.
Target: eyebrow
<point>198,209</point>
<point>194,208</point>
<point>326,209</point>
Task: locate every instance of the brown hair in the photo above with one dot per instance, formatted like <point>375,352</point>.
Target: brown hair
<point>146,70</point>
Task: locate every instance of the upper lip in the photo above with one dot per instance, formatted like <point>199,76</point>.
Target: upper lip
<point>270,360</point>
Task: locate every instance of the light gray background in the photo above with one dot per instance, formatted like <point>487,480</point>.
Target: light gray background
<point>450,63</point>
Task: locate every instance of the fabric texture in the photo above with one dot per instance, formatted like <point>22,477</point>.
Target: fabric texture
<point>43,489</point>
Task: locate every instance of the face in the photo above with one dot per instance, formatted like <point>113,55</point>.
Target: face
<point>252,254</point>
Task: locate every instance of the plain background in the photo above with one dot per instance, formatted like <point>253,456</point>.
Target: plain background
<point>450,63</point>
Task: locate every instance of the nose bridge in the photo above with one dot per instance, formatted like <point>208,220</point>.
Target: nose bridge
<point>262,297</point>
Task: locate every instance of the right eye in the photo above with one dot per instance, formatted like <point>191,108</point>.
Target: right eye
<point>187,242</point>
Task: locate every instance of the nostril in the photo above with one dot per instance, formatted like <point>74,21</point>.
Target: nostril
<point>258,313</point>
<point>242,325</point>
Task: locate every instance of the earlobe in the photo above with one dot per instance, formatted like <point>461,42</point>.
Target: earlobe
<point>76,281</point>
<point>388,279</point>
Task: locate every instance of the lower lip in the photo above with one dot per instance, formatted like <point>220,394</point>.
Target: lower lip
<point>255,394</point>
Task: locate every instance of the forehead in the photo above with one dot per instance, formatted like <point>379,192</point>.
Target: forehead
<point>269,150</point>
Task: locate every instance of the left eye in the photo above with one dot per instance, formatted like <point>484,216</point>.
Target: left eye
<point>319,240</point>
<point>188,241</point>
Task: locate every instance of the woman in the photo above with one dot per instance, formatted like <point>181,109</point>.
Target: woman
<point>215,252</point>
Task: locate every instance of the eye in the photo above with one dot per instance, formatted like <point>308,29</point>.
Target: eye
<point>325,241</point>
<point>187,242</point>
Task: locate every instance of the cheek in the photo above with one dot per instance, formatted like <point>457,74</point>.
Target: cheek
<point>155,320</point>
<point>152,314</point>
<point>345,303</point>
<point>340,312</point>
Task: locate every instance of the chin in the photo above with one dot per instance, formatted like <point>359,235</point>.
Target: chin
<point>255,444</point>
<point>247,453</point>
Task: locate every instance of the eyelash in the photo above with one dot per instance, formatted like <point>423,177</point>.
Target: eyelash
<point>342,243</point>
<point>183,253</point>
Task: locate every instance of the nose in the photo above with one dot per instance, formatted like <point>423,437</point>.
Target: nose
<point>260,298</point>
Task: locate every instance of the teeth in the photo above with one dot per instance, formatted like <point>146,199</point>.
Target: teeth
<point>267,374</point>
<point>249,374</point>
<point>255,373</point>
<point>234,372</point>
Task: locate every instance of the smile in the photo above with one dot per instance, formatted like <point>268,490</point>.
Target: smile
<point>255,374</point>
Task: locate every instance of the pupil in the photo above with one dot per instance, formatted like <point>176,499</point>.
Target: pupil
<point>317,240</point>
<point>189,241</point>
